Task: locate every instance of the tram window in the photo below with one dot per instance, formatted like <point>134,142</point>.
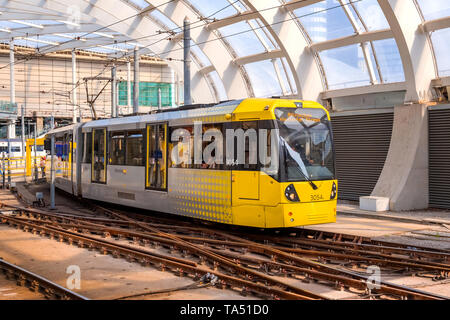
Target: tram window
<point>87,149</point>
<point>134,148</point>
<point>181,150</point>
<point>244,154</point>
<point>117,148</point>
<point>99,164</point>
<point>213,156</point>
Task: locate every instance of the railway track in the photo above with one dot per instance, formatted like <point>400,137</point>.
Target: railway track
<point>261,271</point>
<point>37,283</point>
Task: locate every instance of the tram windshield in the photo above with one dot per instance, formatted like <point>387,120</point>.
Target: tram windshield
<point>306,144</point>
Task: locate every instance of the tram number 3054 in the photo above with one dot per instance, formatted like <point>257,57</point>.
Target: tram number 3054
<point>316,197</point>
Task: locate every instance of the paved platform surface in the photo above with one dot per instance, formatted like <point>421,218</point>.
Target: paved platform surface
<point>428,216</point>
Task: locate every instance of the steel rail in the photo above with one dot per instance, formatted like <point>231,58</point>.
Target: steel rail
<point>278,290</point>
<point>394,289</point>
<point>37,282</point>
<point>402,292</point>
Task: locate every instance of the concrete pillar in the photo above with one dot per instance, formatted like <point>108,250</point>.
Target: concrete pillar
<point>74,83</point>
<point>404,179</point>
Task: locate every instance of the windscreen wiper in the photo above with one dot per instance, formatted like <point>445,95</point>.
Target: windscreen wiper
<point>313,185</point>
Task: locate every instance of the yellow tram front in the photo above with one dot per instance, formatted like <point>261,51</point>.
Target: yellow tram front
<point>298,188</point>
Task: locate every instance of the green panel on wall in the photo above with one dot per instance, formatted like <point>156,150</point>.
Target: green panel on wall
<point>148,93</point>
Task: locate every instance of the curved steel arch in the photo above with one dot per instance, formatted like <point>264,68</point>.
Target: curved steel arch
<point>415,51</point>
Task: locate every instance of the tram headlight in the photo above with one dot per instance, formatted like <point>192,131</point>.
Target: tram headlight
<point>333,191</point>
<point>291,194</point>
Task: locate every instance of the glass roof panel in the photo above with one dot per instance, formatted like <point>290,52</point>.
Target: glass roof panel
<point>371,14</point>
<point>217,9</point>
<point>11,25</point>
<point>345,67</point>
<point>285,75</point>
<point>441,44</point>
<point>200,55</point>
<point>163,19</point>
<point>140,3</point>
<point>242,38</point>
<point>221,92</point>
<point>263,78</point>
<point>374,62</point>
<point>264,34</point>
<point>389,60</point>
<point>434,9</point>
<point>325,20</point>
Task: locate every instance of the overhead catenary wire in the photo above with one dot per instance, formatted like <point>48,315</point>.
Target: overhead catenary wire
<point>231,35</point>
<point>114,60</point>
<point>200,26</point>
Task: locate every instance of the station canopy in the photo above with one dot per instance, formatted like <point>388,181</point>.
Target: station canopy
<point>254,48</point>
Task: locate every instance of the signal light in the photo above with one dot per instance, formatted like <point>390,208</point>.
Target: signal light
<point>291,194</point>
<point>290,214</point>
<point>333,191</point>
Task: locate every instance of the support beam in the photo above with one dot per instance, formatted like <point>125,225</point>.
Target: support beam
<point>207,69</point>
<point>377,88</point>
<point>437,24</point>
<point>136,83</point>
<point>414,48</point>
<point>353,39</point>
<point>258,57</point>
<point>297,4</point>
<point>247,15</point>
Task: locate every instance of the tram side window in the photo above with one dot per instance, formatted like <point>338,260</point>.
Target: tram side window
<point>181,147</point>
<point>242,145</point>
<point>99,161</point>
<point>135,148</point>
<point>156,163</point>
<point>117,148</point>
<point>87,147</point>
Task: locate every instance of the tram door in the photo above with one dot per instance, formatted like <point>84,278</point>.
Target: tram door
<point>156,166</point>
<point>67,155</point>
<point>98,156</point>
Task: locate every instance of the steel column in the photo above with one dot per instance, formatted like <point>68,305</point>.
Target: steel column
<point>187,62</point>
<point>136,83</point>
<point>113,92</point>
<point>74,87</point>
